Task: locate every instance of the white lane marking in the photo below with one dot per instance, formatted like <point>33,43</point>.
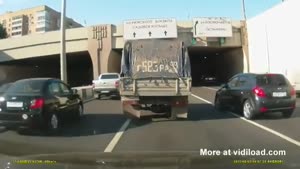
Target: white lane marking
<point>293,141</point>
<point>201,99</point>
<point>269,130</point>
<point>210,88</point>
<point>117,137</point>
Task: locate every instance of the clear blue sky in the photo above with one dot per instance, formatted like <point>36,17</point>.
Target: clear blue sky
<point>115,11</point>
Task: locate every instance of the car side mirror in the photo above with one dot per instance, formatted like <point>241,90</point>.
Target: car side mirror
<point>75,91</point>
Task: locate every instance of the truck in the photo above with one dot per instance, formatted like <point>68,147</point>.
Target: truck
<point>155,78</point>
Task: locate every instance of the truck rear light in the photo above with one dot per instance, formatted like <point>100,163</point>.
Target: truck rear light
<point>130,102</point>
<point>180,103</point>
<point>263,109</point>
<point>37,103</point>
<point>259,92</point>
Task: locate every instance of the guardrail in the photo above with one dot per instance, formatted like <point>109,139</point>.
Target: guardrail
<point>85,92</point>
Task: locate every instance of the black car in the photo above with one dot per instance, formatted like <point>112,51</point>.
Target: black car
<point>255,94</point>
<point>4,87</point>
<point>39,102</point>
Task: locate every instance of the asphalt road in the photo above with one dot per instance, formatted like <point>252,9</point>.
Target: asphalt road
<point>205,128</point>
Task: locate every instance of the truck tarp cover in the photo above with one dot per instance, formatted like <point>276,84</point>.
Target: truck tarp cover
<point>155,58</point>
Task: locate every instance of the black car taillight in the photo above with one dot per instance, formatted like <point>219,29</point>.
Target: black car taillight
<point>37,103</point>
<point>293,92</point>
<point>259,92</point>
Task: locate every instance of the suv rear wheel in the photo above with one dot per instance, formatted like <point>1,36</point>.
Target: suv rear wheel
<point>248,110</point>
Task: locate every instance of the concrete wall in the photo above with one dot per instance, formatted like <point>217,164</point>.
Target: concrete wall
<point>45,44</point>
<point>98,40</point>
<point>99,47</point>
<point>185,33</point>
<point>275,35</point>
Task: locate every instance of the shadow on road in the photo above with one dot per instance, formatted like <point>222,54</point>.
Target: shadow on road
<point>90,125</point>
<point>2,129</point>
<point>205,111</point>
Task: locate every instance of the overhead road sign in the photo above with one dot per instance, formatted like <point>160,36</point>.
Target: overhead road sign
<point>150,29</point>
<point>212,27</point>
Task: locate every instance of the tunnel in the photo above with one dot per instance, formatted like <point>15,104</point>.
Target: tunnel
<point>221,63</point>
<point>79,68</point>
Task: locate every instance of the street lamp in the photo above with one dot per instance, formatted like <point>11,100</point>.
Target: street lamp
<point>244,10</point>
<point>63,60</point>
<point>245,35</point>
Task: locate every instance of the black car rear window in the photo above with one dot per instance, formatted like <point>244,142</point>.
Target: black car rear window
<point>27,86</point>
<point>271,80</point>
<point>4,87</point>
<point>109,77</point>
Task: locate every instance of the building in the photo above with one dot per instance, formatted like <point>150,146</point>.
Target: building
<point>33,20</point>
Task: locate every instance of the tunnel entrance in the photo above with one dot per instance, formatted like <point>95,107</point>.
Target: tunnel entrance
<point>215,65</point>
<point>79,68</point>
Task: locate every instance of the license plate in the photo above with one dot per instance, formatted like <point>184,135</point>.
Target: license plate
<point>279,94</point>
<point>104,91</point>
<point>14,104</point>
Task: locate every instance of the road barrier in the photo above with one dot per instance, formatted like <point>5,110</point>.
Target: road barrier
<point>85,92</point>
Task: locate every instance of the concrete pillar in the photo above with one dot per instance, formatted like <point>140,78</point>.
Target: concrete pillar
<point>245,46</point>
<point>99,47</point>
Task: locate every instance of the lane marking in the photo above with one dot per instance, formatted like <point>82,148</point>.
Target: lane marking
<point>117,137</point>
<point>210,88</point>
<point>293,141</point>
<point>201,99</point>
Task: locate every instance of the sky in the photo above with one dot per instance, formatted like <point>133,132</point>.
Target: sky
<point>91,12</point>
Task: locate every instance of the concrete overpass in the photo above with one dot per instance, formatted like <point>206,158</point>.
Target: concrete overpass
<point>98,47</point>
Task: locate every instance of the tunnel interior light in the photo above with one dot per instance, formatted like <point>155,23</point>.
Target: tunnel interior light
<point>2,99</point>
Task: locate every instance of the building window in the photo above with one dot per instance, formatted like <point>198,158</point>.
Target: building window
<point>16,17</point>
<point>41,18</point>
<point>16,33</point>
<point>43,29</point>
<point>17,22</point>
<point>4,23</point>
<point>16,28</point>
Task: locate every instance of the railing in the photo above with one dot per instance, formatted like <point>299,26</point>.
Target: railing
<point>85,92</point>
<point>155,86</point>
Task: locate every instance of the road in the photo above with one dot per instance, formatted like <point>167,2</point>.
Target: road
<point>205,128</point>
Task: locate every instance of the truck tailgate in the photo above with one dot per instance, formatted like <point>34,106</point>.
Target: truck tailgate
<point>155,87</point>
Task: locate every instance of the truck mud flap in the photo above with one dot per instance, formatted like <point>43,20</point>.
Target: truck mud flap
<point>179,113</point>
<point>129,110</point>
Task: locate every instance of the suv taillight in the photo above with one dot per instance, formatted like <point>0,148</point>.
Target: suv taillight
<point>37,103</point>
<point>293,92</point>
<point>259,92</point>
<point>117,84</point>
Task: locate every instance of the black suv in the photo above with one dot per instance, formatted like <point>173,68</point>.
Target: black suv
<point>255,94</point>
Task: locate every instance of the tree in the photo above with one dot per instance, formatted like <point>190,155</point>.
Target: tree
<point>3,33</point>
